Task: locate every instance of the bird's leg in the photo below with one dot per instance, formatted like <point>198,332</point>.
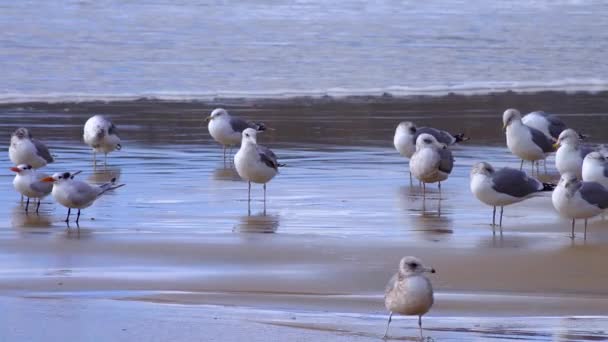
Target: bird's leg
<point>21,199</point>
<point>38,206</point>
<point>264,198</point>
<point>585,236</point>
<point>420,326</point>
<point>67,218</point>
<point>538,168</point>
<point>78,216</point>
<point>500,222</point>
<point>572,235</point>
<point>423,189</point>
<point>94,158</point>
<point>439,190</point>
<point>494,217</point>
<point>545,165</point>
<point>249,192</point>
<point>224,154</point>
<point>27,204</point>
<point>411,181</point>
<point>390,316</point>
<point>521,166</point>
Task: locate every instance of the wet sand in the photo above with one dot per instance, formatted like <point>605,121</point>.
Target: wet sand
<point>175,249</point>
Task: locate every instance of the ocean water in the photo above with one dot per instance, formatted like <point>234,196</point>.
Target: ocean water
<point>113,49</point>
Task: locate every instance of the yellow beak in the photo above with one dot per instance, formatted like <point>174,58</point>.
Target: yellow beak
<point>556,145</point>
<point>207,119</point>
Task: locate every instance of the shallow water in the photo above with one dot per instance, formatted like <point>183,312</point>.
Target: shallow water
<point>339,216</point>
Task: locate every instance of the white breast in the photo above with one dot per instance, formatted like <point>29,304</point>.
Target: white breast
<point>410,296</point>
<point>404,143</point>
<point>23,151</point>
<point>568,159</point>
<point>481,187</point>
<point>250,167</point>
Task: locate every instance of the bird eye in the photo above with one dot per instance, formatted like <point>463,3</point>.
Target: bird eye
<point>247,135</point>
<point>412,130</point>
<point>66,175</point>
<point>412,265</point>
<point>427,141</point>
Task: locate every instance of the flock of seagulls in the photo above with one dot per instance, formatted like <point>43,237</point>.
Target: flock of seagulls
<point>29,154</point>
<point>580,194</point>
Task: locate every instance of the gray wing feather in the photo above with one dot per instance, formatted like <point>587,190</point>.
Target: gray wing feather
<point>268,157</point>
<point>594,193</point>
<point>441,136</point>
<point>42,187</point>
<point>84,193</point>
<point>239,125</point>
<point>446,162</point>
<point>43,151</point>
<point>556,125</point>
<point>515,183</point>
<point>541,140</point>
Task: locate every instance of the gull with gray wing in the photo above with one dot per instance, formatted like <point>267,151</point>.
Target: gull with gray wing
<point>24,149</point>
<point>102,135</point>
<point>255,163</point>
<point>575,199</point>
<point>502,187</point>
<point>525,142</point>
<point>595,168</point>
<point>432,162</point>
<point>227,130</point>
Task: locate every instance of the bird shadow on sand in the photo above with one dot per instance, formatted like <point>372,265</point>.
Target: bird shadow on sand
<point>104,175</point>
<point>226,173</point>
<point>258,223</point>
<point>31,219</point>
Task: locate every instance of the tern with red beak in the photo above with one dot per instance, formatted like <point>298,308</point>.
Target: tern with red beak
<point>74,194</point>
<point>28,183</point>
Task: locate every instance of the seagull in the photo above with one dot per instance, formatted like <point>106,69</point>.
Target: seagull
<point>28,183</point>
<point>595,169</point>
<point>575,199</point>
<point>523,141</point>
<point>226,129</point>
<point>24,149</point>
<point>432,162</point>
<point>571,153</point>
<point>407,132</point>
<point>77,194</point>
<point>499,188</point>
<point>102,135</point>
<point>255,163</point>
<point>409,291</point>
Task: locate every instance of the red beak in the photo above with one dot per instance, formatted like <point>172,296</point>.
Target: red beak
<point>48,179</point>
<point>15,169</point>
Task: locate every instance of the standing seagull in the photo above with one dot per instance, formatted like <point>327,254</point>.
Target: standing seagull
<point>575,199</point>
<point>102,135</point>
<point>407,132</point>
<point>571,153</point>
<point>227,130</point>
<point>409,291</point>
<point>498,188</point>
<point>525,142</point>
<point>25,149</point>
<point>28,183</point>
<point>432,162</point>
<point>255,163</point>
<point>595,169</point>
<point>74,194</point>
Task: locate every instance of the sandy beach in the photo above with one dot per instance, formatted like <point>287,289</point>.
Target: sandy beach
<point>175,255</point>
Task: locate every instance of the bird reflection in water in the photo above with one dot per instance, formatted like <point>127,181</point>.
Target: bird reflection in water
<point>257,223</point>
